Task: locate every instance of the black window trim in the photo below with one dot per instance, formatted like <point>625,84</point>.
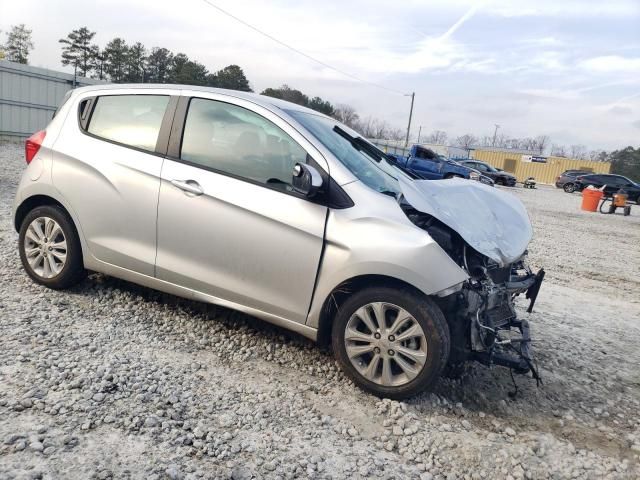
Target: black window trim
<point>332,196</point>
<point>85,113</point>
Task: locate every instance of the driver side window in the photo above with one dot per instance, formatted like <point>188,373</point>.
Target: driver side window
<point>233,140</point>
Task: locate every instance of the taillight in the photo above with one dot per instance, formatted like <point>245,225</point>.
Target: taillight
<point>32,145</point>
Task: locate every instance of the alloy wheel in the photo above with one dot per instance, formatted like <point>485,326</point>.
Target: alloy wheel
<point>385,344</point>
<point>45,247</point>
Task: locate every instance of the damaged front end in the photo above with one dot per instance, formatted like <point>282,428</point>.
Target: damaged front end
<point>488,240</point>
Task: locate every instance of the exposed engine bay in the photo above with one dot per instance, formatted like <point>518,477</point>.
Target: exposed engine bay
<point>481,314</point>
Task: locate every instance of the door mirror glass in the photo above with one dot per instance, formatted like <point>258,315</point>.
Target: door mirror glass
<point>306,180</point>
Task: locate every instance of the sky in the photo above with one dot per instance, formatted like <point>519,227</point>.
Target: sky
<point>563,68</point>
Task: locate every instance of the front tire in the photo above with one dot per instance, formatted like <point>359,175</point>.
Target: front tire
<point>569,187</point>
<point>50,248</point>
<point>391,342</point>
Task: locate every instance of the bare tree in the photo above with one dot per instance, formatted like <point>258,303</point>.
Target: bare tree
<point>397,134</point>
<point>558,150</point>
<point>486,140</point>
<point>502,141</point>
<point>466,141</point>
<point>578,151</point>
<point>598,156</point>
<point>541,142</point>
<point>437,137</point>
<point>347,115</point>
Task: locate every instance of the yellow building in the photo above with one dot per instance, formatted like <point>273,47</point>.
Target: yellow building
<point>543,169</point>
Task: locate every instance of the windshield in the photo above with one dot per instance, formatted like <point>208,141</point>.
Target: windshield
<point>378,174</point>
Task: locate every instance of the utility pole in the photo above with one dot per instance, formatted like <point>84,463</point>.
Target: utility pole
<point>419,132</point>
<point>495,132</point>
<point>406,141</point>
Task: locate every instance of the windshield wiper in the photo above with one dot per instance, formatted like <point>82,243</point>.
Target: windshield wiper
<point>376,154</point>
<point>360,144</point>
<point>390,193</point>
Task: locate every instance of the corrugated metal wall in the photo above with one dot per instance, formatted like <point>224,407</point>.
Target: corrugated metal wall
<point>542,172</point>
<point>29,96</point>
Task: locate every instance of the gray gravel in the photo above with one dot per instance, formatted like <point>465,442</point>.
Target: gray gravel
<point>112,380</point>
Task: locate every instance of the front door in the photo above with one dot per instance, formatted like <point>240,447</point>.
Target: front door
<point>229,224</point>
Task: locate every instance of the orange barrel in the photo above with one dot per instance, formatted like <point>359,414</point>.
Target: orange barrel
<point>620,199</point>
<point>590,199</point>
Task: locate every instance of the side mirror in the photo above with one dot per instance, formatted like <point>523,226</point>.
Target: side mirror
<point>306,179</point>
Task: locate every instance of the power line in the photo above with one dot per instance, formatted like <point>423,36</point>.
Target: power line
<point>299,52</point>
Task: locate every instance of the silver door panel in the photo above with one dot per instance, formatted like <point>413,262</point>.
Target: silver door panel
<point>239,241</point>
<point>114,191</point>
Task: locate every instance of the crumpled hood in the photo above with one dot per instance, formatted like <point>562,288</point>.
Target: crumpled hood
<point>493,222</point>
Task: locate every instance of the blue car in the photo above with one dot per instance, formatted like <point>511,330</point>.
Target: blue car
<point>429,165</point>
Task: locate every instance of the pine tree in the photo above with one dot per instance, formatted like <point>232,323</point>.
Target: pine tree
<point>116,56</point>
<point>78,51</point>
<point>231,77</point>
<point>19,44</point>
<point>136,63</point>
<point>158,65</point>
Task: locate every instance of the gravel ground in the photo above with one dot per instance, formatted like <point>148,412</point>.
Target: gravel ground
<point>112,380</point>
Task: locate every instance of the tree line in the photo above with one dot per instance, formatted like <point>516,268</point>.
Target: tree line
<point>540,145</point>
<point>120,62</point>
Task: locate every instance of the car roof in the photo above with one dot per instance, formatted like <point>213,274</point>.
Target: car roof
<point>262,100</point>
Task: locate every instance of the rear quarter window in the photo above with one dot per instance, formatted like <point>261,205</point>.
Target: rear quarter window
<point>132,120</point>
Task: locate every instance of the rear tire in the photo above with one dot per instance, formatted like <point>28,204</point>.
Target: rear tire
<point>50,248</point>
<point>424,336</point>
<point>569,187</point>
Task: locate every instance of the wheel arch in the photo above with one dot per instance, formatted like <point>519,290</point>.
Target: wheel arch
<point>346,288</point>
<point>32,202</point>
<point>39,200</point>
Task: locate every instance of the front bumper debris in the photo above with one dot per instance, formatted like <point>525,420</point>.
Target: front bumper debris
<point>533,290</point>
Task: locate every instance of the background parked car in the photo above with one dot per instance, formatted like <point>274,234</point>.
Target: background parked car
<point>500,177</point>
<point>566,180</point>
<point>613,184</point>
<point>427,164</point>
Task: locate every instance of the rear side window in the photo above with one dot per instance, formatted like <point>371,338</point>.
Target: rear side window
<point>233,140</point>
<point>132,120</point>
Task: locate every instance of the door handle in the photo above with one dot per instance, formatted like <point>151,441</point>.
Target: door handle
<point>189,186</point>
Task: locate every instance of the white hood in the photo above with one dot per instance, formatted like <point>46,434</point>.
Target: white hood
<point>493,222</point>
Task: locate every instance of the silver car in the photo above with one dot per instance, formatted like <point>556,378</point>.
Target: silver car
<point>278,211</point>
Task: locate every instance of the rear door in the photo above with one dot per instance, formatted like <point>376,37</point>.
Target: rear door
<point>229,224</point>
<point>107,164</point>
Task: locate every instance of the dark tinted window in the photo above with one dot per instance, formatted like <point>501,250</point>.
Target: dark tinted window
<point>234,140</point>
<point>595,178</point>
<point>133,120</point>
<point>616,180</point>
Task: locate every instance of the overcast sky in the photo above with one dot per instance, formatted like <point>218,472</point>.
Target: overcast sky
<point>568,69</point>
